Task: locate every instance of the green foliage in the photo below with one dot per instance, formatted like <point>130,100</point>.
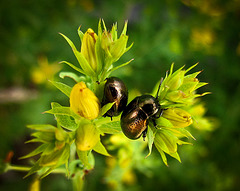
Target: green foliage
<point>163,32</point>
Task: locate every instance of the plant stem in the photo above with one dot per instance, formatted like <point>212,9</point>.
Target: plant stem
<point>17,168</point>
<point>27,168</point>
<point>78,183</point>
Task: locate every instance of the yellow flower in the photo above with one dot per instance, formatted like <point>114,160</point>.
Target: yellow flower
<point>87,136</point>
<point>178,117</point>
<point>45,71</point>
<point>84,102</point>
<point>88,48</point>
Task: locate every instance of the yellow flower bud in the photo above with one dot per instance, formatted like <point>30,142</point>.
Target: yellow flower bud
<point>88,48</point>
<point>84,102</point>
<point>178,117</point>
<point>175,80</point>
<point>87,136</point>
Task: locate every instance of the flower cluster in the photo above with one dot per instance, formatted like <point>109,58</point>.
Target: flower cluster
<point>177,92</point>
<point>81,125</point>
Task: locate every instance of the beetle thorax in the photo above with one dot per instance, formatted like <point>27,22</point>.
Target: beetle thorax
<point>149,106</point>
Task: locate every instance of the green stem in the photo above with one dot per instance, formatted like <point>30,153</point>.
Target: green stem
<point>106,68</point>
<point>78,183</point>
<point>17,168</point>
<point>77,180</point>
<point>27,168</point>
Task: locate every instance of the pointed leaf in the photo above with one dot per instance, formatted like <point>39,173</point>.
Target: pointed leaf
<point>110,128</point>
<point>150,137</point>
<point>164,158</point>
<point>99,148</point>
<point>37,151</point>
<point>72,75</point>
<point>175,155</point>
<point>81,59</point>
<point>83,156</point>
<point>34,169</point>
<point>65,120</point>
<point>62,87</point>
<point>191,67</point>
<point>42,127</point>
<point>74,67</point>
<point>117,67</point>
<point>105,108</point>
<point>80,33</point>
<point>63,111</point>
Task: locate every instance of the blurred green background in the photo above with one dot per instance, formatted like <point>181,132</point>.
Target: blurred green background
<point>183,32</point>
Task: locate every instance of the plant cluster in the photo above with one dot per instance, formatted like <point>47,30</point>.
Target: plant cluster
<point>68,147</point>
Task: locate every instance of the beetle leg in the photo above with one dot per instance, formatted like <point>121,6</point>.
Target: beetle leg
<point>154,123</point>
<point>159,114</point>
<point>144,133</point>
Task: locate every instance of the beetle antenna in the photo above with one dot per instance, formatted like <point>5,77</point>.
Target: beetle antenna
<point>159,87</point>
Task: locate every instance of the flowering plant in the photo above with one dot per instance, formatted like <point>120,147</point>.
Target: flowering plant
<point>81,125</point>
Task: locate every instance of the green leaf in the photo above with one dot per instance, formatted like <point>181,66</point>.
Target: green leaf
<point>200,84</point>
<point>105,108</point>
<point>56,158</point>
<point>183,132</point>
<point>99,148</point>
<point>80,33</point>
<point>166,140</point>
<point>62,111</point>
<point>74,67</point>
<point>163,122</point>
<point>164,158</point>
<point>49,149</point>
<point>37,151</point>
<point>62,87</point>
<point>34,169</point>
<point>47,172</point>
<point>99,55</point>
<point>110,128</point>
<point>191,67</point>
<point>42,127</point>
<point>175,155</point>
<point>65,120</point>
<point>81,59</point>
<point>44,137</point>
<point>72,75</point>
<point>150,136</point>
<point>193,75</point>
<point>180,142</point>
<point>117,67</point>
<point>83,156</point>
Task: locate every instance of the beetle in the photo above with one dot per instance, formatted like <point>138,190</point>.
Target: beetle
<point>115,91</point>
<point>136,116</point>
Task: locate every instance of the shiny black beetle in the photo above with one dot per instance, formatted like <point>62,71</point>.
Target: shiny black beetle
<point>115,91</point>
<point>138,113</point>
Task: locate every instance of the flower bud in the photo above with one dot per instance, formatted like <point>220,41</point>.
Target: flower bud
<point>88,48</point>
<point>84,102</point>
<point>87,136</point>
<point>178,117</point>
<point>118,47</point>
<point>175,96</point>
<point>175,80</point>
<point>189,85</point>
<point>113,46</point>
